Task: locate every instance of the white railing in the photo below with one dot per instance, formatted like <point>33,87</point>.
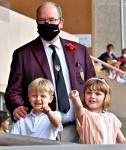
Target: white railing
<point>107,65</point>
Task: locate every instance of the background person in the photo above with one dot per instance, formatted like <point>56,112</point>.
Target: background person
<point>34,60</point>
<point>4,121</point>
<point>122,58</point>
<point>123,68</point>
<point>108,54</point>
<point>105,71</point>
<point>113,74</point>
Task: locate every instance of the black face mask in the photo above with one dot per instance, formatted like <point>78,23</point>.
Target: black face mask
<point>48,31</point>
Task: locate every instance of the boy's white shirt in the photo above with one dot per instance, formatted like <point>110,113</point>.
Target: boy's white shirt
<point>37,126</point>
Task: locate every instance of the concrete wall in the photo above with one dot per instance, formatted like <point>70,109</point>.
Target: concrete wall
<point>14,32</point>
<point>14,142</point>
<point>67,147</point>
<point>106,26</point>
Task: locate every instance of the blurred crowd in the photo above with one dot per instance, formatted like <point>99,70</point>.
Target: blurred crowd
<point>116,62</point>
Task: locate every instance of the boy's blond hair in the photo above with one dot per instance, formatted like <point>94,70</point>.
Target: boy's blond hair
<point>39,85</point>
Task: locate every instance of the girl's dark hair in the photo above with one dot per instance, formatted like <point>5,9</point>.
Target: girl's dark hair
<point>3,116</point>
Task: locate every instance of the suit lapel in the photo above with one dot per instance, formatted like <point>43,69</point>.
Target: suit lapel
<point>40,55</point>
<point>70,59</point>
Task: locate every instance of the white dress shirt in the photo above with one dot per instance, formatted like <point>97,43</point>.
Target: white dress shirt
<point>69,116</point>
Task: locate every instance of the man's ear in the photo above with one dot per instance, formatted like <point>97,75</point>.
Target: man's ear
<point>61,23</point>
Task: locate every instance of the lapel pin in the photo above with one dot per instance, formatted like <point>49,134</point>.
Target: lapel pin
<point>57,68</point>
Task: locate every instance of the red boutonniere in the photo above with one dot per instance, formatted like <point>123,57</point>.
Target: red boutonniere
<point>71,46</point>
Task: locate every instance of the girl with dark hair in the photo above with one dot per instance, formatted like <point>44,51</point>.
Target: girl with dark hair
<point>4,121</point>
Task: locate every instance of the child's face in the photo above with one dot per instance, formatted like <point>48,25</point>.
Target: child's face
<point>40,99</point>
<point>94,100</point>
<point>5,124</point>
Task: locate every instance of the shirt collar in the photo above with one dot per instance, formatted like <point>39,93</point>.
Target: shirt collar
<point>32,114</point>
<point>56,43</point>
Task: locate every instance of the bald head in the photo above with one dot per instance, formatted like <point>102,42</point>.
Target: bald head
<point>50,5</point>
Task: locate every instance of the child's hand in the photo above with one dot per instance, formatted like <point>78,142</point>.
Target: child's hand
<point>73,95</point>
<point>46,109</point>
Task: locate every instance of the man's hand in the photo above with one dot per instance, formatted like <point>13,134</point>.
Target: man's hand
<point>19,112</point>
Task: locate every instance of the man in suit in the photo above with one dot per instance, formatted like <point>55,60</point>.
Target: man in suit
<point>34,60</point>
